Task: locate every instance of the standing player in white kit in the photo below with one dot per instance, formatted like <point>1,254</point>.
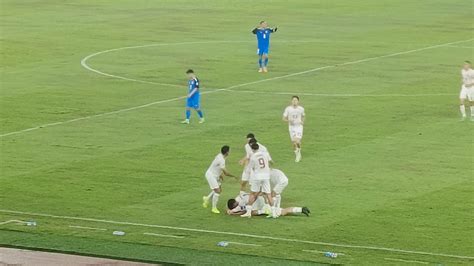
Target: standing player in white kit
<point>467,90</point>
<point>294,115</point>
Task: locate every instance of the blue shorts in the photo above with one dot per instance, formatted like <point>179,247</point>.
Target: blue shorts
<point>193,102</point>
<point>262,50</point>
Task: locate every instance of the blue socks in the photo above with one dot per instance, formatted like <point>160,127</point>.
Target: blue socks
<point>200,113</point>
<point>265,62</point>
<point>260,62</point>
<point>188,114</point>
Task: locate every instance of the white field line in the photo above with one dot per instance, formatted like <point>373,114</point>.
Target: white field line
<point>244,244</point>
<point>13,221</point>
<point>84,64</point>
<point>407,261</point>
<point>281,239</point>
<point>87,228</point>
<point>342,95</point>
<point>162,235</point>
<point>460,46</point>
<point>321,252</point>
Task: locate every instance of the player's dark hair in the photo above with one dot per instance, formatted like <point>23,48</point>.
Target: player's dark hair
<point>231,204</point>
<point>254,146</point>
<point>252,141</point>
<point>295,96</point>
<point>250,136</point>
<point>225,149</point>
<point>262,21</point>
<point>190,71</point>
<point>467,62</point>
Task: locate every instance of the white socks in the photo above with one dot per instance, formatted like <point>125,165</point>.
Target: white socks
<point>463,110</point>
<point>297,210</point>
<point>277,201</point>
<point>249,209</point>
<point>215,199</point>
<point>210,195</point>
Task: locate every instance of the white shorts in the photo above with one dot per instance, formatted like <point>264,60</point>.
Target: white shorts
<point>213,182</point>
<point>296,132</point>
<point>278,188</point>
<point>246,174</point>
<point>467,93</point>
<point>260,185</point>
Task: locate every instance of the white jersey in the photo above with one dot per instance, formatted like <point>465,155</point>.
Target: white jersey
<point>277,177</point>
<point>243,201</point>
<point>216,167</point>
<point>249,152</point>
<point>260,166</point>
<point>467,76</point>
<point>294,115</point>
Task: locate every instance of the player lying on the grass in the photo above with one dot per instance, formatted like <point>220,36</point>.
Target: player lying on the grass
<point>467,89</point>
<point>193,100</point>
<point>259,164</point>
<point>214,175</point>
<point>245,160</point>
<point>278,182</point>
<point>263,44</point>
<point>238,206</point>
<point>294,115</point>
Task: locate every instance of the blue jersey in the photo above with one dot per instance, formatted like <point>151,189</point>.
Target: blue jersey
<point>194,100</point>
<point>193,84</point>
<point>263,36</point>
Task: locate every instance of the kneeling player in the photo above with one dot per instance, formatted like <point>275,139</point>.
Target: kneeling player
<point>278,181</point>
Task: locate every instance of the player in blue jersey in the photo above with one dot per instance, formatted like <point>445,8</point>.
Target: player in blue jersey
<point>194,98</point>
<point>263,33</point>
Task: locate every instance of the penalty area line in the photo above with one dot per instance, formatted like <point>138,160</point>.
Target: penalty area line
<point>280,239</point>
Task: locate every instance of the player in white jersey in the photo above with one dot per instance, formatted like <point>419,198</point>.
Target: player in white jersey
<point>259,164</point>
<point>214,175</point>
<point>467,89</point>
<point>245,160</point>
<point>294,115</point>
<point>278,181</point>
<point>238,206</point>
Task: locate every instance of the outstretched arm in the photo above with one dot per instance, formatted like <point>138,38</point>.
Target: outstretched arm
<point>254,31</point>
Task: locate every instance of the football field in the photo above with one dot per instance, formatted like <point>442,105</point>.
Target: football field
<point>93,92</point>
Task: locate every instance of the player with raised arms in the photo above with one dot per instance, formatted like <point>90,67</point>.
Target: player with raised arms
<point>294,115</point>
<point>467,89</point>
<point>214,175</point>
<point>193,99</point>
<point>263,33</point>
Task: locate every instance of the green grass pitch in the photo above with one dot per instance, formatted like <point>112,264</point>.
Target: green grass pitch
<point>387,165</point>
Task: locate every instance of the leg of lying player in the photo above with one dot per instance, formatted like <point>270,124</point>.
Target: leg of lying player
<point>295,210</point>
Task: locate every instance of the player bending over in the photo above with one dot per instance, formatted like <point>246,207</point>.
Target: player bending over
<point>294,115</point>
<point>245,160</point>
<point>278,181</point>
<point>238,205</point>
<point>214,176</point>
<point>193,99</point>
<point>467,89</point>
<point>259,179</point>
<point>263,43</point>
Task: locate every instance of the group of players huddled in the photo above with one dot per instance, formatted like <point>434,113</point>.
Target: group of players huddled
<point>266,183</point>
